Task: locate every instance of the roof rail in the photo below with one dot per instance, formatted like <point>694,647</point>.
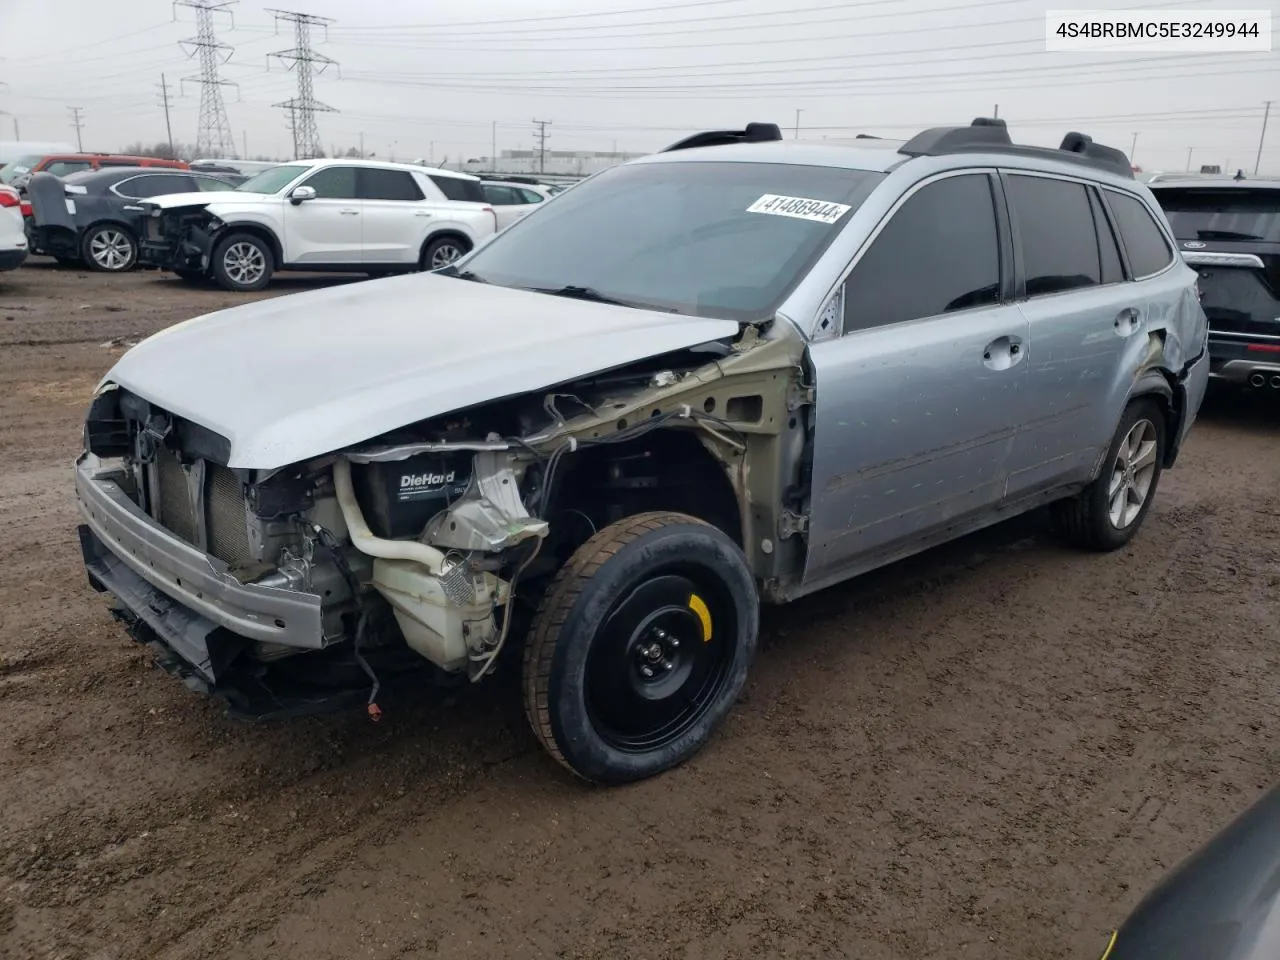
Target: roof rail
<point>754,133</point>
<point>991,135</point>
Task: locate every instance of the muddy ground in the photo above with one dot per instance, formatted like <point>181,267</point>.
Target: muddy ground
<point>988,751</point>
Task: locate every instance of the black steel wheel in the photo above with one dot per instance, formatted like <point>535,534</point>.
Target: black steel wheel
<point>640,647</point>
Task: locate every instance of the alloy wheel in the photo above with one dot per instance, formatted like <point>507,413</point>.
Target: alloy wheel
<point>244,263</point>
<point>1132,474</point>
<point>111,249</point>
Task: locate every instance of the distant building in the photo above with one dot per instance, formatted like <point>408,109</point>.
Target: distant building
<point>556,162</point>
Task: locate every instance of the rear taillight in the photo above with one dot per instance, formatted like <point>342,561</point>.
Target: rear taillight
<point>9,197</point>
<point>26,208</point>
<point>1263,348</point>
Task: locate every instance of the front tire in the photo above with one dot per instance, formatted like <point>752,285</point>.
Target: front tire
<point>640,647</point>
<point>242,263</point>
<point>109,248</point>
<point>1107,514</point>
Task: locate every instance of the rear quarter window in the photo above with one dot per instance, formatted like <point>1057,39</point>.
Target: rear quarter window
<point>456,188</point>
<point>1149,252</point>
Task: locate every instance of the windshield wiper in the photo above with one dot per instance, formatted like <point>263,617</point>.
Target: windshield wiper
<point>1225,235</point>
<point>595,296</point>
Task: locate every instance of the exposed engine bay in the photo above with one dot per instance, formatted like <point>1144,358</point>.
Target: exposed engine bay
<point>422,537</point>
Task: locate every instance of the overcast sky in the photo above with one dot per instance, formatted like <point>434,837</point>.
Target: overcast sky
<point>428,80</point>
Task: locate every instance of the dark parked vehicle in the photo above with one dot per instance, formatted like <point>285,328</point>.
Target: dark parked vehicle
<point>1221,903</point>
<point>96,217</point>
<point>1229,230</point>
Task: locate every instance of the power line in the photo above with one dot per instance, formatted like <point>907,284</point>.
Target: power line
<point>77,123</point>
<point>213,133</point>
<point>542,144</point>
<point>304,107</point>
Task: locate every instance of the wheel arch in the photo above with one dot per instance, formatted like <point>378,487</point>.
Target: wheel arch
<point>262,232</point>
<point>1160,385</point>
<point>447,233</point>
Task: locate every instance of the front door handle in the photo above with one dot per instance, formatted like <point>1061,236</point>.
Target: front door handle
<point>1002,353</point>
<point>1128,322</point>
<point>348,213</point>
<point>422,213</point>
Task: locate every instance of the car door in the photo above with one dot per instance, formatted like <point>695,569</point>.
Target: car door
<point>128,193</point>
<point>1084,325</point>
<point>327,228</point>
<point>916,401</point>
<point>508,205</point>
<point>394,215</point>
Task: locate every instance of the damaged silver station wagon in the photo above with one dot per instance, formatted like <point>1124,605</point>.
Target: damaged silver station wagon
<point>741,368</point>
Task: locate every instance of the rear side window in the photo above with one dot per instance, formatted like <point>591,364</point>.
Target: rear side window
<point>1058,240</point>
<point>530,196</point>
<point>500,195</point>
<point>938,253</point>
<point>455,188</point>
<point>1231,214</point>
<point>1148,250</point>
<point>388,185</point>
<point>152,185</point>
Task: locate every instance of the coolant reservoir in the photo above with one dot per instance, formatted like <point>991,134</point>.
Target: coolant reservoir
<point>442,618</point>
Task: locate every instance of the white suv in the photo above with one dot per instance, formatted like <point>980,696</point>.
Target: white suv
<point>13,238</point>
<point>330,215</point>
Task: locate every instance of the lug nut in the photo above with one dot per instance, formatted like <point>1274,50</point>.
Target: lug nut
<point>647,671</point>
<point>673,643</point>
<point>667,664</point>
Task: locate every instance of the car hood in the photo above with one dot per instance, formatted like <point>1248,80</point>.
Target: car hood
<point>201,198</point>
<point>293,377</point>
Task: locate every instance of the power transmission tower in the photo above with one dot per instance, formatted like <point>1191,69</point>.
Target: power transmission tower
<point>304,107</point>
<point>542,144</point>
<point>213,137</point>
<point>164,98</point>
<point>77,123</point>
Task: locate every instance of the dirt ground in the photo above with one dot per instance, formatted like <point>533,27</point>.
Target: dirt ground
<point>991,750</point>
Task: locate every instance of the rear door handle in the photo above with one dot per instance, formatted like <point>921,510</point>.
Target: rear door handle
<point>348,213</point>
<point>422,213</point>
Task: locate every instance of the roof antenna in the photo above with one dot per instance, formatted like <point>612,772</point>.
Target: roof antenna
<point>1239,175</point>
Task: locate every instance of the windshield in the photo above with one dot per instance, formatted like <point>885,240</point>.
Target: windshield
<point>270,181</point>
<point>1217,214</point>
<point>724,240</point>
<point>18,169</point>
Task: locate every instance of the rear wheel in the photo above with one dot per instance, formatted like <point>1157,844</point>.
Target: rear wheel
<point>1107,514</point>
<point>442,252</point>
<point>242,262</point>
<point>640,647</point>
<point>110,248</point>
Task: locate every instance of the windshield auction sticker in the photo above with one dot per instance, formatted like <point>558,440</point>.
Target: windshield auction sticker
<point>820,211</point>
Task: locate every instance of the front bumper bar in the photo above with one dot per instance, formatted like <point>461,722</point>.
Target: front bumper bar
<point>131,556</point>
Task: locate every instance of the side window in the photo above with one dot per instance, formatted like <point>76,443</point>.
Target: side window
<point>455,188</point>
<point>531,196</point>
<point>212,185</point>
<point>137,188</point>
<point>1059,243</point>
<point>499,195</point>
<point>333,183</point>
<point>1112,270</point>
<point>378,184</point>
<point>60,168</point>
<point>940,252</point>
<point>1148,250</point>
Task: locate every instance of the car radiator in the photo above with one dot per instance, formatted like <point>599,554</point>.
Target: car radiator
<point>221,500</point>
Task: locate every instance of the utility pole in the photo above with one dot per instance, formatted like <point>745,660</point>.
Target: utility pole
<point>1133,149</point>
<point>493,146</point>
<point>213,136</point>
<point>303,59</point>
<point>164,98</point>
<point>797,130</point>
<point>1262,139</point>
<point>14,117</point>
<point>77,123</point>
<point>542,144</point>
<point>1189,149</point>
<point>244,144</point>
<point>361,144</point>
<point>996,112</point>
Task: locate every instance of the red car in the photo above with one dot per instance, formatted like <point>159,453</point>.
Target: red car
<point>18,172</point>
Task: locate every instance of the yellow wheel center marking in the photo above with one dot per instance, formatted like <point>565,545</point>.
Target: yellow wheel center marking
<point>699,607</point>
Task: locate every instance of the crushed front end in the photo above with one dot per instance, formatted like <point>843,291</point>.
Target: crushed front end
<point>230,574</point>
<point>178,238</point>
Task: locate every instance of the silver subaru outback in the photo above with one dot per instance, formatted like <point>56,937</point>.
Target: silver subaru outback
<point>739,369</point>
